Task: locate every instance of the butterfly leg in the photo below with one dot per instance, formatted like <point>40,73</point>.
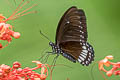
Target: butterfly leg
<point>43,54</point>
<point>47,56</point>
<point>49,52</point>
<point>54,61</point>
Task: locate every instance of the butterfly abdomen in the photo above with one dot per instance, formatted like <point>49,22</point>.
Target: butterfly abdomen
<point>69,57</point>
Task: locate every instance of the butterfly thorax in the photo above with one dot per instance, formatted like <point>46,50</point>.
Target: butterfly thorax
<point>55,48</point>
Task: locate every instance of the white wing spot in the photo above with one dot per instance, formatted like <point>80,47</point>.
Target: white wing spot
<point>85,51</point>
<point>88,59</point>
<point>84,44</point>
<point>89,54</point>
<point>83,55</point>
<point>80,27</point>
<point>58,49</point>
<point>81,36</point>
<point>81,58</point>
<point>86,62</point>
<point>84,47</point>
<point>90,47</point>
<point>80,43</point>
<point>80,22</point>
<point>68,22</point>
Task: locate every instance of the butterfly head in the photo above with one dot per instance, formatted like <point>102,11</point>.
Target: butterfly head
<point>51,44</point>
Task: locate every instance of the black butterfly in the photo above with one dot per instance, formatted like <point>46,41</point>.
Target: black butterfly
<point>71,38</point>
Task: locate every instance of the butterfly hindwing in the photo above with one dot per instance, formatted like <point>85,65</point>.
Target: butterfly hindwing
<point>87,54</point>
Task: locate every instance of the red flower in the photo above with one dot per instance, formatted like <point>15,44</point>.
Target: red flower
<point>17,73</point>
<point>107,63</point>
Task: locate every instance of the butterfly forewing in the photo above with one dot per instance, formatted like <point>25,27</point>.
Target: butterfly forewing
<point>61,25</point>
<point>71,36</point>
<point>72,24</point>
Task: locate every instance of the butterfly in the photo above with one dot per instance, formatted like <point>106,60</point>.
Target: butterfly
<point>71,38</point>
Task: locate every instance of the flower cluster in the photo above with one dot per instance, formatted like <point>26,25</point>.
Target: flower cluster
<point>17,73</point>
<point>6,31</point>
<point>107,63</point>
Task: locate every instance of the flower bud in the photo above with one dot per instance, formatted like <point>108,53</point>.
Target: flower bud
<point>16,35</point>
<point>109,57</point>
<point>109,73</point>
<point>1,45</point>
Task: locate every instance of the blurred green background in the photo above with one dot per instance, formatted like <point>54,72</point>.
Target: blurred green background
<point>103,22</point>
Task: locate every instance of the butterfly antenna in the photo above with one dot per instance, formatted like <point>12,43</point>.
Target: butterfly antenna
<point>43,54</point>
<point>44,36</point>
